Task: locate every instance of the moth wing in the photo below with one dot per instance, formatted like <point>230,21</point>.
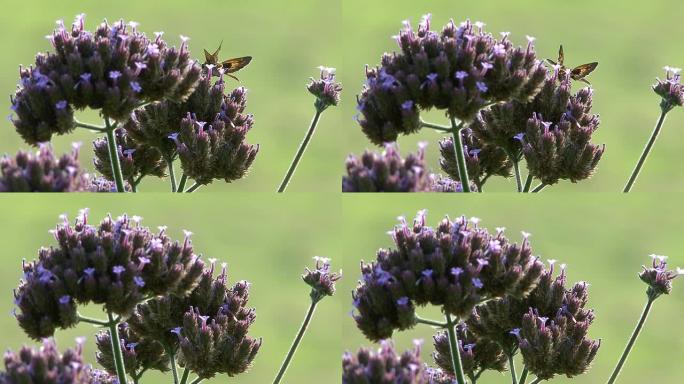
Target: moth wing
<point>583,71</point>
<point>234,65</point>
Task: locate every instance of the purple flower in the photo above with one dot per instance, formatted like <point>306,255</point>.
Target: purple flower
<point>66,299</point>
<point>118,270</point>
<point>61,105</point>
<point>114,75</point>
<point>139,281</point>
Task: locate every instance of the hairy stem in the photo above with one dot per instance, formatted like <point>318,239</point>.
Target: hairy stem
<point>114,156</point>
<point>455,353</point>
<point>539,188</point>
<point>523,377</point>
<point>184,378</point>
<point>174,368</point>
<point>436,127</point>
<point>632,340</point>
<point>300,151</point>
<point>456,132</point>
<point>297,340</point>
<point>528,183</point>
<point>182,183</point>
<point>91,320</point>
<point>91,127</point>
<point>511,364</point>
<point>433,323</point>
<point>116,348</point>
<point>172,175</point>
<point>194,187</point>
<point>647,151</point>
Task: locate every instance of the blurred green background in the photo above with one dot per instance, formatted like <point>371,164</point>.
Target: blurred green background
<point>603,240</point>
<point>288,40</point>
<point>267,242</point>
<point>631,40</point>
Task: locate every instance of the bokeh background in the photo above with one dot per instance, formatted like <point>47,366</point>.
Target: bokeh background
<point>267,242</point>
<point>603,240</point>
<point>632,41</point>
<point>288,41</point>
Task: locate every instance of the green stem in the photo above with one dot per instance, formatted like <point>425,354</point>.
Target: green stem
<point>518,178</point>
<point>172,175</point>
<point>116,348</point>
<point>186,373</point>
<point>647,150</point>
<point>436,127</point>
<point>539,188</point>
<point>181,184</point>
<point>455,353</point>
<point>433,323</point>
<point>114,156</point>
<point>300,152</point>
<point>523,377</point>
<point>194,187</point>
<point>632,340</point>
<point>197,380</point>
<point>511,364</point>
<point>174,368</point>
<point>528,184</point>
<point>91,320</point>
<point>460,156</point>
<point>297,340</point>
<point>537,381</point>
<point>91,127</point>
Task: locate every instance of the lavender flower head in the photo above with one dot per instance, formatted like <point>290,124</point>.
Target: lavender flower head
<point>208,327</point>
<point>321,280</point>
<point>482,161</point>
<point>552,132</point>
<point>477,354</point>
<point>384,366</point>
<point>137,161</point>
<point>116,264</point>
<point>387,172</point>
<point>207,131</point>
<point>671,89</point>
<point>138,353</point>
<point>42,172</point>
<point>326,89</point>
<point>113,70</point>
<point>443,184</point>
<point>47,365</point>
<point>460,70</point>
<point>454,266</point>
<point>658,278</point>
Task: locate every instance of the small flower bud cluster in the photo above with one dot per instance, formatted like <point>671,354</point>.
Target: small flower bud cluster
<point>553,131</point>
<point>42,172</point>
<point>460,70</point>
<point>48,366</point>
<point>387,172</point>
<point>671,89</point>
<point>446,185</point>
<point>326,89</point>
<point>102,185</point>
<point>116,264</point>
<point>455,266</point>
<point>321,280</point>
<point>559,345</point>
<point>658,278</point>
<point>208,326</point>
<point>114,70</point>
<point>136,160</point>
<point>384,366</point>
<point>138,353</point>
<point>482,161</point>
<point>476,354</point>
<point>556,346</point>
<point>207,132</point>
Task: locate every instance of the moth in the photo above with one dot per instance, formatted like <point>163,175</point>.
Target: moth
<point>578,73</point>
<point>229,66</point>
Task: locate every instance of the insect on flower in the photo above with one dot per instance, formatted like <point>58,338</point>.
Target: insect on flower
<point>578,73</point>
<point>229,66</point>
